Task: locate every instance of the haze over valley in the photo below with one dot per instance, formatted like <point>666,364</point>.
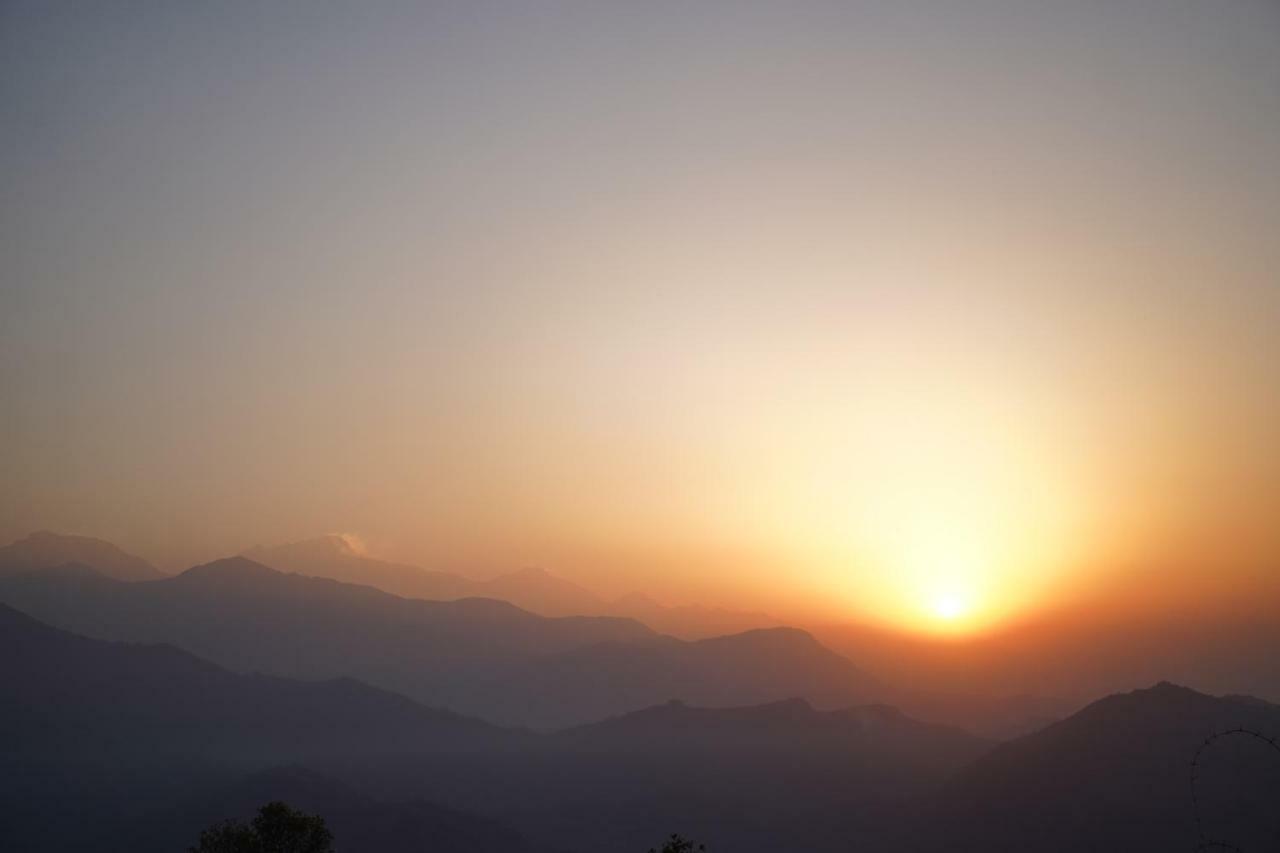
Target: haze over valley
<point>445,718</point>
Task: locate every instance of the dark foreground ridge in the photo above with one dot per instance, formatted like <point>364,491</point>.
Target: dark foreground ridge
<point>147,744</point>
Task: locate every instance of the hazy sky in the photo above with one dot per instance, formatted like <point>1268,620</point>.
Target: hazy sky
<point>875,307</point>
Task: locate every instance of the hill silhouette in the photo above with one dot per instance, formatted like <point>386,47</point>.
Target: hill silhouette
<point>777,776</point>
<point>481,657</point>
<point>534,589</point>
<point>154,743</point>
<point>358,822</point>
<point>45,549</point>
<point>605,679</point>
<point>1117,776</point>
<point>791,724</point>
<point>146,744</point>
<point>689,621</point>
<point>334,557</point>
<point>64,696</point>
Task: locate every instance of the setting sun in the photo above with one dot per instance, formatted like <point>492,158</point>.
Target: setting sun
<point>950,608</point>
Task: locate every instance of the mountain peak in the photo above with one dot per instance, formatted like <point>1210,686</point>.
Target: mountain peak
<point>318,547</point>
<point>1165,691</point>
<point>780,637</point>
<point>337,543</point>
<point>1167,687</point>
<point>229,568</point>
<point>45,549</point>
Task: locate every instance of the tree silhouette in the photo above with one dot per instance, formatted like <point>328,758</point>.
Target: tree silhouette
<point>1258,737</point>
<point>277,829</point>
<point>678,844</point>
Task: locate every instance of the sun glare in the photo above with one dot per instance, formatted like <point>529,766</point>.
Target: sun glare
<point>949,608</point>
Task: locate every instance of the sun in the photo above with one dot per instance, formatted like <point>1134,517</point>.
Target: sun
<point>950,608</point>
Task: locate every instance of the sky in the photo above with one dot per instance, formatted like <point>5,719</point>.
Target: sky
<point>923,313</point>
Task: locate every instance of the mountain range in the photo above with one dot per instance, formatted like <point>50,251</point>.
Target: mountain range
<point>96,729</point>
<point>532,589</point>
<point>45,549</point>
<point>474,655</point>
<point>119,725</point>
<point>66,695</point>
<point>481,657</point>
<point>124,746</point>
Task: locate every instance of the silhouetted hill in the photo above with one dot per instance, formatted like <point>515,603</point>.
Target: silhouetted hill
<point>792,726</point>
<point>250,618</point>
<point>478,656</point>
<point>535,590</point>
<point>110,731</point>
<point>592,682</point>
<point>120,746</point>
<point>44,550</point>
<point>542,592</point>
<point>689,621</point>
<point>781,776</point>
<point>333,557</point>
<point>359,823</point>
<point>64,696</point>
<point>1117,776</point>
<point>532,589</point>
<point>116,746</point>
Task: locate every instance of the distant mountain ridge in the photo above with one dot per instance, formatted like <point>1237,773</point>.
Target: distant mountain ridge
<point>185,732</point>
<point>482,657</point>
<point>790,724</point>
<point>147,743</point>
<point>690,621</point>
<point>248,617</point>
<point>431,673</point>
<point>750,668</point>
<point>333,557</point>
<point>63,695</point>
<point>534,589</point>
<point>45,549</point>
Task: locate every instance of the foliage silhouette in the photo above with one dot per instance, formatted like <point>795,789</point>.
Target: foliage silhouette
<point>227,837</point>
<point>1257,736</point>
<point>277,829</point>
<point>679,844</point>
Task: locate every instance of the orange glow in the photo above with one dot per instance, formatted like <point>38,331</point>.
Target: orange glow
<point>950,607</point>
<point>772,319</point>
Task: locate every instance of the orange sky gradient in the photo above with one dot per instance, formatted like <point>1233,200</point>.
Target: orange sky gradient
<point>818,311</point>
